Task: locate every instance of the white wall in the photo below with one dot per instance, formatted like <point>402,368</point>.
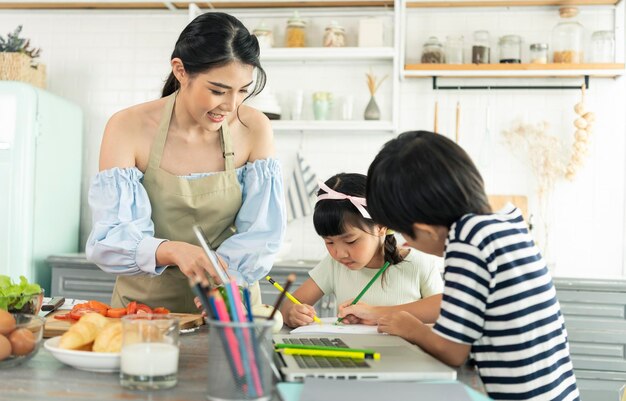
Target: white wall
<point>108,60</point>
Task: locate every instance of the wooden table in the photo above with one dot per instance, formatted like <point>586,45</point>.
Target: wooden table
<point>45,378</point>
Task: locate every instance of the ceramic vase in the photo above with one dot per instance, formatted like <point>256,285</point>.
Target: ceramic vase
<point>372,112</point>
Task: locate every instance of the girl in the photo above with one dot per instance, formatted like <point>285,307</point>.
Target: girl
<point>195,156</point>
<point>358,248</point>
<point>498,303</point>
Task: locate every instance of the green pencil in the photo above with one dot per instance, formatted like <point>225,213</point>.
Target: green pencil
<point>367,287</point>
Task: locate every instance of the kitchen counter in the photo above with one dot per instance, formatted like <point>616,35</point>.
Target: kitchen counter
<point>45,378</point>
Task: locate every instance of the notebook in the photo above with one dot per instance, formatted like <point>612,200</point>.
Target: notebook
<point>399,360</point>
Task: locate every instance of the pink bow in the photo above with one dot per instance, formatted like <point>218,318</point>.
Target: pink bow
<point>358,202</point>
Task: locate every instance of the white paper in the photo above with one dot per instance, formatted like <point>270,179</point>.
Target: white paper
<point>328,326</point>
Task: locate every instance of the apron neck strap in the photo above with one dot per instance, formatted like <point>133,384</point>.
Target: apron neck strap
<point>159,141</point>
<point>227,147</point>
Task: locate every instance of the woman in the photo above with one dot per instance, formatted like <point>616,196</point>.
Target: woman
<point>195,156</point>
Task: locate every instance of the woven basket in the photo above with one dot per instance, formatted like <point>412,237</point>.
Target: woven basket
<point>16,67</point>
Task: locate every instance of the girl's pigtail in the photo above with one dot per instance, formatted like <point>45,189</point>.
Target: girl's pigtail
<point>392,253</point>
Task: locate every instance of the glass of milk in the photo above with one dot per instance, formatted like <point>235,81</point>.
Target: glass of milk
<point>149,357</point>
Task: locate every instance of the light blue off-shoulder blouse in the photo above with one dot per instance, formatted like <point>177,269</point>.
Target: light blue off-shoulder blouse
<point>122,238</point>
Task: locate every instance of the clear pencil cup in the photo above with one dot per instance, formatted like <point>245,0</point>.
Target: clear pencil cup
<point>245,352</point>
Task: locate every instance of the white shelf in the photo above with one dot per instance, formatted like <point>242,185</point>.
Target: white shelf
<point>184,4</point>
<point>506,3</point>
<point>327,53</point>
<point>332,125</point>
<point>513,70</point>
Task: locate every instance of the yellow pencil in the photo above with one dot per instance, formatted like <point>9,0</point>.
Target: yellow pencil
<point>336,354</point>
<point>288,295</point>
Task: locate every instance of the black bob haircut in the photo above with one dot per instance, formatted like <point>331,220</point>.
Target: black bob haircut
<point>423,177</point>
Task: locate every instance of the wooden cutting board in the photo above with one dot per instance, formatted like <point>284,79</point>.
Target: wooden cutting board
<point>55,327</point>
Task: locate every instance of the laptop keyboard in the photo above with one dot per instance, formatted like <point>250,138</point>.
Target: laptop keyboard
<point>316,362</point>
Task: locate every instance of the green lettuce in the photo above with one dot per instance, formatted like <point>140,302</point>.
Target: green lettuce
<point>15,296</point>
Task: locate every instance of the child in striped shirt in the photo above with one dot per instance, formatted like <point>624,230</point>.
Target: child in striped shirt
<point>499,304</point>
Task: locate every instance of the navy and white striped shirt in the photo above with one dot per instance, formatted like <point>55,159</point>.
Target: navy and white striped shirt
<point>499,297</point>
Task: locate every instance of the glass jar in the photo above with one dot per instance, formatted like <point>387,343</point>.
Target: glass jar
<point>510,47</point>
<point>602,47</point>
<point>432,52</point>
<point>539,53</point>
<point>296,31</point>
<point>454,49</point>
<point>480,48</point>
<point>334,35</point>
<point>567,38</point>
<point>264,35</point>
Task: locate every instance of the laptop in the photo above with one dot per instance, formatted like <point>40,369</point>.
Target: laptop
<point>399,360</point>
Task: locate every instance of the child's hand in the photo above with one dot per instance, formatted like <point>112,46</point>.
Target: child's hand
<point>360,313</point>
<point>300,315</point>
<point>401,324</point>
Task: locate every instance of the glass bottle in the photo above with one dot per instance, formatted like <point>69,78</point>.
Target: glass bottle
<point>539,53</point>
<point>264,35</point>
<point>432,52</point>
<point>480,49</point>
<point>602,47</point>
<point>334,35</point>
<point>454,49</point>
<point>567,38</point>
<point>296,31</point>
<point>510,47</point>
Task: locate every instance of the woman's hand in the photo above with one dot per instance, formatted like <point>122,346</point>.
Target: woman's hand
<point>401,324</point>
<point>190,259</point>
<point>299,315</point>
<point>360,313</point>
<point>196,301</point>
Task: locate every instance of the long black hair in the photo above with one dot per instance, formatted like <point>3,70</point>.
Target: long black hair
<point>213,40</point>
<point>423,177</point>
<point>333,216</point>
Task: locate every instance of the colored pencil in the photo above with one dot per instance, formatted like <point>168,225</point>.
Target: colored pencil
<point>367,287</point>
<point>233,344</point>
<point>246,345</point>
<point>284,292</point>
<point>232,361</point>
<point>333,354</point>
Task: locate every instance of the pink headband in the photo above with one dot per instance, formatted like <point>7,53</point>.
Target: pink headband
<point>358,202</point>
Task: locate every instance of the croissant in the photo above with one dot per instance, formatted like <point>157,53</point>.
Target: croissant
<point>79,335</point>
<point>95,318</point>
<point>109,339</point>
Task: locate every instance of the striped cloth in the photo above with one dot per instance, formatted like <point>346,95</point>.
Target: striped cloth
<point>498,297</point>
<point>302,190</point>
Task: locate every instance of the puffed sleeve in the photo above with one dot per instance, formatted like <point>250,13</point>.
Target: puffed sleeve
<point>260,223</point>
<point>122,238</point>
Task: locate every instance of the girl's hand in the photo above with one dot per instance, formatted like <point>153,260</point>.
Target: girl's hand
<point>299,315</point>
<point>401,324</point>
<point>190,259</point>
<point>361,313</point>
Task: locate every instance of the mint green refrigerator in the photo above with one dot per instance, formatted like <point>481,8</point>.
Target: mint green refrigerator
<point>40,179</point>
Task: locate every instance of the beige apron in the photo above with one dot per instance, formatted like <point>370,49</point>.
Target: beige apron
<point>177,204</point>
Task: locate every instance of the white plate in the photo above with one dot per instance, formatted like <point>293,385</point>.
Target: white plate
<point>83,360</point>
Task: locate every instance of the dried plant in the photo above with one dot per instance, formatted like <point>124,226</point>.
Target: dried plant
<point>546,155</point>
<point>373,83</point>
<point>547,159</point>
